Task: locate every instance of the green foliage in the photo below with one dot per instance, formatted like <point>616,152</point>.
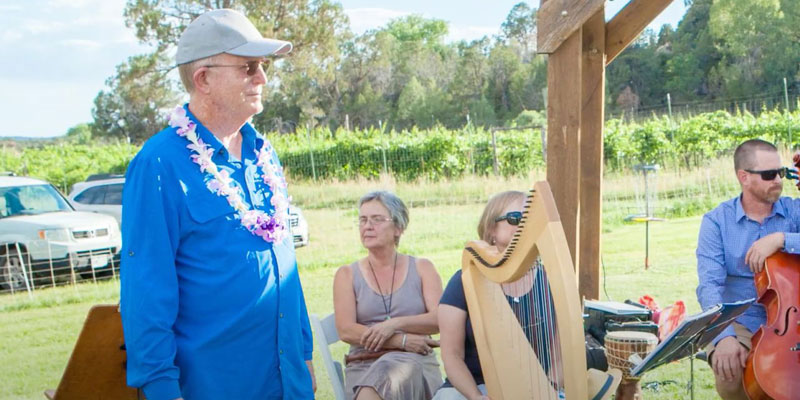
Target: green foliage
<point>439,153</point>
<point>65,164</point>
<point>80,134</point>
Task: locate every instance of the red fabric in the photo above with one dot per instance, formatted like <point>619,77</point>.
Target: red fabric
<point>671,317</point>
<point>651,304</point>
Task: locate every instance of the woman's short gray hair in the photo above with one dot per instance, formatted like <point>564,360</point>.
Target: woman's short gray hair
<point>397,209</point>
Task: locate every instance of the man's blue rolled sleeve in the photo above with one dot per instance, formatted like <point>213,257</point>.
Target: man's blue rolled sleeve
<point>162,389</point>
<point>149,290</point>
<point>791,242</point>
<point>305,324</point>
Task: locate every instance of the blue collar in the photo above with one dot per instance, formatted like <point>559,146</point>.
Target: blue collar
<point>777,209</point>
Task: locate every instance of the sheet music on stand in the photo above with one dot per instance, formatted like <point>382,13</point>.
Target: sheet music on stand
<point>694,333</point>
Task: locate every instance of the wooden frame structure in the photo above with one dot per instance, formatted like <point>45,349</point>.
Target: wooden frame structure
<point>580,44</point>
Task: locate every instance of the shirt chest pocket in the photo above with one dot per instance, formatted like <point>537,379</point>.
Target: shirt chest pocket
<point>205,207</point>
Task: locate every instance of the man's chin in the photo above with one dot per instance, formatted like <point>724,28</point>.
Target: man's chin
<point>773,197</point>
<point>257,107</point>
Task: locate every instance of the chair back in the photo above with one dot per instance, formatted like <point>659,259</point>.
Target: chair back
<point>325,334</point>
<point>96,368</point>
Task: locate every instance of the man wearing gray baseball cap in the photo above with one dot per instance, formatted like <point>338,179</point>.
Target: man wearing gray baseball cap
<point>211,301</point>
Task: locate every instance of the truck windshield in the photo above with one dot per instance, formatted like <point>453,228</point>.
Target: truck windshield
<point>31,200</point>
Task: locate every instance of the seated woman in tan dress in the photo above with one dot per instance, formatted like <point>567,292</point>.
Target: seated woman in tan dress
<point>386,308</point>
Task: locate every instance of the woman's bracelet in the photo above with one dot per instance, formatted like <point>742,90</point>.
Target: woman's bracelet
<point>404,341</point>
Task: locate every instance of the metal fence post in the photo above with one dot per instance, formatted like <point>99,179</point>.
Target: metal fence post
<point>50,258</point>
<point>113,267</point>
<point>383,149</point>
<point>494,152</point>
<point>91,267</point>
<point>24,271</point>
<point>311,152</point>
<point>669,105</point>
<point>786,99</point>
<point>72,271</point>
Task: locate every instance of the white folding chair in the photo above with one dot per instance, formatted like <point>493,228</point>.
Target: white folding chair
<point>325,334</point>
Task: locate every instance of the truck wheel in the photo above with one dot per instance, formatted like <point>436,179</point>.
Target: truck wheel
<point>11,272</point>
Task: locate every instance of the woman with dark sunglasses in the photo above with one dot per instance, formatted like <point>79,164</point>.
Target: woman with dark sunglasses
<point>497,226</point>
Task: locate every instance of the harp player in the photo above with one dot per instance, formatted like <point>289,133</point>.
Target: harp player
<point>497,226</point>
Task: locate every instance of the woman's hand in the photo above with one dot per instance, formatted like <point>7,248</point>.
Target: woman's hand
<point>420,344</point>
<point>376,335</point>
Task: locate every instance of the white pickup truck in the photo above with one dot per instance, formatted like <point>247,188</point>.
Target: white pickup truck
<point>42,236</point>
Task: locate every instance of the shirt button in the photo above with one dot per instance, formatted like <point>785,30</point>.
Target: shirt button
<point>280,351</point>
<point>280,315</point>
<point>130,253</point>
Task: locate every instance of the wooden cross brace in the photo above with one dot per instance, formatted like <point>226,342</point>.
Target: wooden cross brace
<point>580,44</point>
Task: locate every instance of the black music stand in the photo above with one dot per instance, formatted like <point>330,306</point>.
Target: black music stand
<point>694,333</point>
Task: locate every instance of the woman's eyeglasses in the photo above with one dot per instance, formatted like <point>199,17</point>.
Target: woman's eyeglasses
<point>252,66</point>
<point>375,220</point>
<point>769,174</point>
<point>513,218</point>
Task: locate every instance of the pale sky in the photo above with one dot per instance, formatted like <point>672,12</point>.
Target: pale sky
<point>57,54</point>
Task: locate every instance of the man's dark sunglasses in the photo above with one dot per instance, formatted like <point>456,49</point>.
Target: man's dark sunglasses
<point>252,66</point>
<point>513,217</point>
<point>769,174</point>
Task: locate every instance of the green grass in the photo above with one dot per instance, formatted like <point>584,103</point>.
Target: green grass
<point>38,334</point>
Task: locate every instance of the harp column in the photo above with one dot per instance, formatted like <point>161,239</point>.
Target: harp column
<point>580,44</point>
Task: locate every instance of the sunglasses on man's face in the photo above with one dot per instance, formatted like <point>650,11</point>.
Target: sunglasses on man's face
<point>769,174</point>
<point>252,66</point>
<point>513,218</point>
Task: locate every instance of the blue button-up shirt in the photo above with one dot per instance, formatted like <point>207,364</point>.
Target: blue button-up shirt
<point>209,310</point>
<point>726,234</point>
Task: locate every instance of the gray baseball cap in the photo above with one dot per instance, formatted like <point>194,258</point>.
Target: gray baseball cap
<point>225,31</point>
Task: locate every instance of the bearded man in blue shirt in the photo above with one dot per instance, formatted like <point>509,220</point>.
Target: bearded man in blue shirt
<point>735,239</point>
<point>211,301</point>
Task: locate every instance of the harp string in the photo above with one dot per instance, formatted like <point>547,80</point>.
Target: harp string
<point>532,303</point>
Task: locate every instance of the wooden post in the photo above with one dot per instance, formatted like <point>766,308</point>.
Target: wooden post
<point>563,134</point>
<point>591,155</point>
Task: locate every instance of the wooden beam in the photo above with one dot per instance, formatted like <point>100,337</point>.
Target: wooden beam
<point>593,67</point>
<point>559,19</point>
<point>629,23</point>
<point>563,134</point>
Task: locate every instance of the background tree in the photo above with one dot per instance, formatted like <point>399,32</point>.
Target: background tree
<point>404,74</point>
<point>133,106</point>
<point>754,52</point>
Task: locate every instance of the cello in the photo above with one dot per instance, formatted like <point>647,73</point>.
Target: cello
<point>772,370</point>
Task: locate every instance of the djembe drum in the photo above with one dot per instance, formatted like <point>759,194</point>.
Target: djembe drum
<point>621,347</point>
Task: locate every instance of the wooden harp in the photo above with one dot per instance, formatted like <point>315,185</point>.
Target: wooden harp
<point>517,363</point>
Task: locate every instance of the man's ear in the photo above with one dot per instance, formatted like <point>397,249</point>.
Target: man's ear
<point>742,175</point>
<point>200,79</point>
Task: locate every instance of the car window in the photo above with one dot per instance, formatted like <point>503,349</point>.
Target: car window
<point>32,199</point>
<point>92,195</point>
<point>113,194</point>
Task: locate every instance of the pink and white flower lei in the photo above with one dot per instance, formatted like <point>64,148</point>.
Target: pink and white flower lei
<point>271,228</point>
